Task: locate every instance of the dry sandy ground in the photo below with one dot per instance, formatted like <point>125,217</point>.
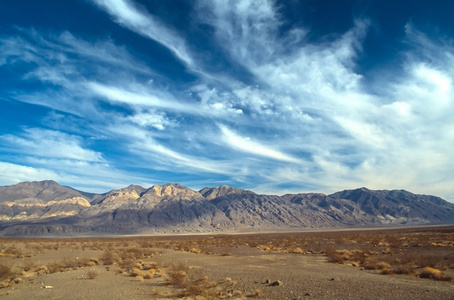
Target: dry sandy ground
<point>303,277</point>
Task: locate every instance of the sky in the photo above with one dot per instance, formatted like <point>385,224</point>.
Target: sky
<point>273,96</point>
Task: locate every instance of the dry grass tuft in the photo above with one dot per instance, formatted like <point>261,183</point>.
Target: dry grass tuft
<point>433,273</point>
<point>5,271</point>
<point>177,275</point>
<point>107,258</point>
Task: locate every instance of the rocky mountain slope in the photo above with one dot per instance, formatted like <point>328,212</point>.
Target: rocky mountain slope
<point>47,208</point>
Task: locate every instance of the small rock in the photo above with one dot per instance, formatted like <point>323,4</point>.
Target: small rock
<point>18,280</point>
<point>268,281</point>
<point>276,283</point>
<point>307,294</point>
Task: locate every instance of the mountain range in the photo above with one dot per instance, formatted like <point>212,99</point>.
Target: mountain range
<point>47,208</point>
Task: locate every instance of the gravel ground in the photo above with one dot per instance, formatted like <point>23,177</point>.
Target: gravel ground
<point>308,277</point>
<point>302,277</point>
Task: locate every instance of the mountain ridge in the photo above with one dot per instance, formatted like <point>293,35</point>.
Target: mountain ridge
<point>45,207</point>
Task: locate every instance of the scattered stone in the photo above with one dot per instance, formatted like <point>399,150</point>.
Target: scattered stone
<point>18,280</point>
<point>334,279</point>
<point>268,281</point>
<point>276,283</point>
<point>307,294</point>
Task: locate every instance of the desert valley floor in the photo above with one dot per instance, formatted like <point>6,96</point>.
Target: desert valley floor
<point>406,263</point>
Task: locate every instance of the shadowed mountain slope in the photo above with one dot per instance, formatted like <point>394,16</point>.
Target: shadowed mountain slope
<point>47,208</point>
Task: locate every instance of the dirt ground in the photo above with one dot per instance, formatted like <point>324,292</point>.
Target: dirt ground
<point>80,269</point>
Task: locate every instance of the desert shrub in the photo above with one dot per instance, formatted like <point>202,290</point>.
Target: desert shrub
<point>370,264</point>
<point>5,271</point>
<point>136,253</point>
<point>334,256</point>
<point>381,265</point>
<point>136,273</point>
<point>54,267</point>
<point>193,282</point>
<point>107,258</point>
<point>149,274</point>
<point>401,270</point>
<point>149,265</point>
<point>196,250</point>
<point>296,250</point>
<point>177,275</point>
<point>67,263</point>
<point>127,264</point>
<point>393,240</point>
<point>13,251</point>
<point>29,265</point>
<point>433,273</point>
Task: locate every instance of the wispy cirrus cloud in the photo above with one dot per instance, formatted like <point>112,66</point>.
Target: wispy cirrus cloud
<point>245,144</point>
<point>126,14</point>
<point>50,143</point>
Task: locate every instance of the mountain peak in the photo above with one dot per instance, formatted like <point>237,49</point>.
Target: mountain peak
<point>222,190</point>
<point>42,190</point>
<point>171,190</point>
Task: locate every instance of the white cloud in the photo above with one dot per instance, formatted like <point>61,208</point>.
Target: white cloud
<point>14,173</point>
<point>126,14</point>
<point>245,144</point>
<point>50,143</point>
<point>150,119</point>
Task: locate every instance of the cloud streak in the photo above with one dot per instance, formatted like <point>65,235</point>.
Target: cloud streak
<point>245,144</point>
<point>126,14</point>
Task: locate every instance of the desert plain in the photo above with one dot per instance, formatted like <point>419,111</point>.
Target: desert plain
<point>399,263</point>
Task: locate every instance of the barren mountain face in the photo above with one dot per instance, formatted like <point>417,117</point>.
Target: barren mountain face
<point>41,208</point>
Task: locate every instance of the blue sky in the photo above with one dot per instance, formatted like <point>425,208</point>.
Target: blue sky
<point>273,96</point>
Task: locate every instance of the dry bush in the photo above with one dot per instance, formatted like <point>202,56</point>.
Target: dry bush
<point>53,267</point>
<point>334,256</point>
<point>149,265</point>
<point>29,265</point>
<point>5,271</point>
<point>194,282</point>
<point>13,251</point>
<point>381,265</point>
<point>149,274</point>
<point>136,273</point>
<point>177,275</point>
<point>433,273</point>
<point>67,263</point>
<point>197,284</point>
<point>107,258</point>
<point>196,250</point>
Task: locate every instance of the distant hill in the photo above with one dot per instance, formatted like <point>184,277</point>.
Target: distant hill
<point>47,208</point>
